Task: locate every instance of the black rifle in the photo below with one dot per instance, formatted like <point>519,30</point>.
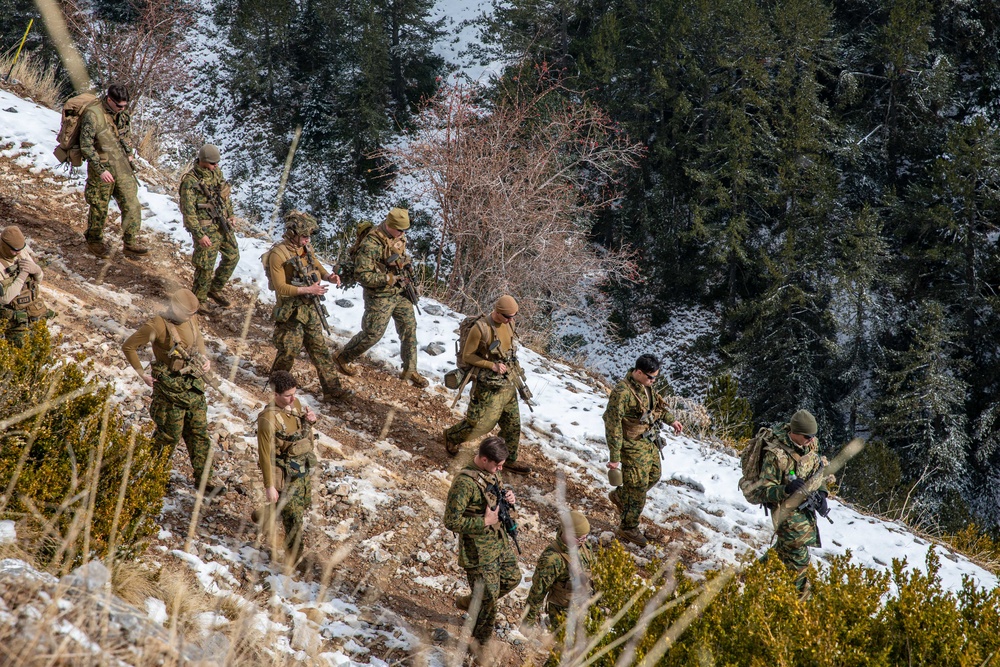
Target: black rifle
<point>303,275</point>
<point>216,209</point>
<point>517,376</point>
<point>404,273</point>
<point>816,501</point>
<point>655,432</point>
<point>503,513</point>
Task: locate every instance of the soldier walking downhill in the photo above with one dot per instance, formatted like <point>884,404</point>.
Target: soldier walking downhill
<point>20,304</point>
<point>494,394</point>
<point>484,547</point>
<point>286,456</point>
<point>633,408</point>
<point>179,409</point>
<point>202,188</point>
<point>553,578</point>
<point>296,317</point>
<point>384,296</point>
<point>105,130</point>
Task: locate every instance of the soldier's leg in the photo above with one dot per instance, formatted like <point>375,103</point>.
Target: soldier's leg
<point>287,341</point>
<point>378,312</point>
<point>510,421</point>
<point>794,537</point>
<point>230,258</point>
<point>169,422</point>
<point>196,435</point>
<point>632,492</point>
<point>482,415</point>
<point>312,338</point>
<point>295,500</point>
<point>97,194</point>
<point>406,327</point>
<point>203,260</point>
<point>510,576</point>
<point>487,578</point>
<point>655,470</point>
<point>126,193</point>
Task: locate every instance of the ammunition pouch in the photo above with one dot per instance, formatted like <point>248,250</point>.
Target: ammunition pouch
<point>633,428</point>
<point>297,467</point>
<point>453,379</point>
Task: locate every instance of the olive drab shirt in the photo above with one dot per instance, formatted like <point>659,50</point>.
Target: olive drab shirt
<point>155,331</point>
<point>782,459</point>
<point>104,137</point>
<point>281,433</point>
<point>280,275</point>
<point>465,515</point>
<point>628,403</point>
<point>369,266</point>
<point>193,200</point>
<point>19,289</point>
<point>552,578</point>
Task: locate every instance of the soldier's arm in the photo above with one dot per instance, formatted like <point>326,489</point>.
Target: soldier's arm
<point>189,207</point>
<point>661,405</point>
<point>88,132</point>
<point>11,287</point>
<point>613,424</point>
<point>461,493</point>
<point>550,567</point>
<point>323,273</point>
<point>226,189</point>
<point>123,121</point>
<point>265,447</point>
<point>367,266</point>
<point>145,334</point>
<point>469,352</point>
<point>26,252</point>
<point>277,271</point>
<point>773,486</point>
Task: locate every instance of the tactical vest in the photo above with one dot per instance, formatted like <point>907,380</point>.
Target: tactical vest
<point>561,592</point>
<point>180,358</point>
<point>390,246</point>
<point>791,462</point>
<point>490,497</point>
<point>27,298</point>
<point>214,182</point>
<point>651,408</point>
<point>298,442</point>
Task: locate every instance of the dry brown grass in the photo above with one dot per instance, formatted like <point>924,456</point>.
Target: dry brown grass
<point>38,81</point>
<point>133,582</point>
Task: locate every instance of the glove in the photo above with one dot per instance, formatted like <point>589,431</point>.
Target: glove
<point>391,279</point>
<point>28,266</point>
<point>794,486</point>
<point>823,507</point>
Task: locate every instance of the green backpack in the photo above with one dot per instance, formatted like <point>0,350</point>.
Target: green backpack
<point>346,261</point>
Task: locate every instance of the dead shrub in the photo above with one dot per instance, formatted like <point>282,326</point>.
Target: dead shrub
<point>36,79</point>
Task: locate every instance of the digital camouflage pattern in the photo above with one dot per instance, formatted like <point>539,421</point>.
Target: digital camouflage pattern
<point>382,300</point>
<point>778,467</point>
<point>640,458</point>
<point>485,552</point>
<point>199,223</point>
<point>104,136</point>
<point>489,406</point>
<point>552,580</point>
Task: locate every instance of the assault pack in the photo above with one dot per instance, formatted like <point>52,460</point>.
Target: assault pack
<point>751,460</point>
<point>68,148</point>
<point>456,378</point>
<point>345,267</point>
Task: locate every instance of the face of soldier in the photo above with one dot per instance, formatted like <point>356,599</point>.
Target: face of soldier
<point>644,378</point>
<point>211,166</point>
<point>394,233</point>
<point>801,439</point>
<point>301,241</point>
<point>486,465</point>
<point>285,398</point>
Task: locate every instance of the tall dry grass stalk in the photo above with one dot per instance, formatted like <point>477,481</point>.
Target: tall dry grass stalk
<point>38,81</point>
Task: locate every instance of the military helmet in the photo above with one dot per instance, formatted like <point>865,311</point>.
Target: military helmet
<point>298,223</point>
<point>209,153</point>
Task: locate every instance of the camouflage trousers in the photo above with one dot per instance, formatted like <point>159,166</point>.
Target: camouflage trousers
<point>488,407</point>
<point>295,500</point>
<point>640,473</point>
<point>294,333</point>
<point>185,418</point>
<point>379,309</point>
<point>203,260</point>
<point>794,536</point>
<point>98,195</point>
<point>16,326</point>
<point>496,580</point>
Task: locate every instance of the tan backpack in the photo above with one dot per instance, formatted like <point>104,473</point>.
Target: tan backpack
<point>68,148</point>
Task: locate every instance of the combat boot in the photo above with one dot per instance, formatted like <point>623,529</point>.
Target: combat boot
<point>452,449</point>
<point>517,467</point>
<point>415,378</point>
<point>616,500</point>
<point>99,248</point>
<point>335,395</point>
<point>345,367</point>
<point>135,249</point>
<point>632,535</point>
<point>214,490</point>
<point>219,299</point>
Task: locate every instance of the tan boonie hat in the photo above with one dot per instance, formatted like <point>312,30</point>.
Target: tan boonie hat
<point>13,237</point>
<point>209,153</point>
<point>581,526</point>
<point>398,218</point>
<point>506,306</point>
<point>183,304</point>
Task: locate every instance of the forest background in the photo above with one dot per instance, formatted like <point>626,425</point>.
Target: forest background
<point>820,177</point>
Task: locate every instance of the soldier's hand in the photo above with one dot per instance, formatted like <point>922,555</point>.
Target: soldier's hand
<point>678,427</point>
<point>310,416</point>
<point>316,289</point>
<point>500,368</point>
<point>509,495</point>
<point>107,177</point>
<point>272,494</point>
<point>333,278</point>
<point>491,517</point>
<point>148,379</point>
<point>28,266</point>
<point>614,464</point>
<point>207,366</point>
<point>205,242</point>
<point>391,279</point>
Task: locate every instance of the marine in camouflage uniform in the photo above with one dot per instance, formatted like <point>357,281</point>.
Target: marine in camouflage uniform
<point>384,297</point>
<point>484,548</point>
<point>633,408</point>
<point>179,409</point>
<point>296,320</point>
<point>494,395</point>
<point>791,456</point>
<point>286,455</point>
<point>20,280</point>
<point>553,578</point>
<point>200,187</point>
<point>105,131</point>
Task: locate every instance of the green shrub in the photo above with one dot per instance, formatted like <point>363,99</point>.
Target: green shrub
<point>732,418</point>
<point>873,479</point>
<point>65,466</point>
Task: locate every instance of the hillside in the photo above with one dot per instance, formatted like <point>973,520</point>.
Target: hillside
<point>377,504</point>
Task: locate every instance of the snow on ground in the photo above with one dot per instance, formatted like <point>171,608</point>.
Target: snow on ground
<point>460,33</point>
<point>568,429</point>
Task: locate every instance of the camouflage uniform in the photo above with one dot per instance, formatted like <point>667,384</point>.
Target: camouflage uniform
<point>484,551</point>
<point>199,223</point>
<point>553,579</point>
<point>20,304</point>
<point>104,136</point>
<point>382,301</point>
<point>494,396</point>
<point>624,431</point>
<point>179,408</point>
<point>286,456</point>
<point>296,322</point>
<point>782,462</point>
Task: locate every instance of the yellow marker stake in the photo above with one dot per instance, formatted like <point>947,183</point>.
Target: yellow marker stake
<point>19,47</point>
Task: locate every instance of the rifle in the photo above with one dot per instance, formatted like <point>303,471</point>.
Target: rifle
<point>303,275</point>
<point>405,274</point>
<point>196,366</point>
<point>815,482</point>
<point>215,208</point>
<point>520,380</point>
<point>816,502</point>
<point>503,513</point>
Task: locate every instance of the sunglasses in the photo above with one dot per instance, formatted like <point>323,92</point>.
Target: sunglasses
<point>651,377</point>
